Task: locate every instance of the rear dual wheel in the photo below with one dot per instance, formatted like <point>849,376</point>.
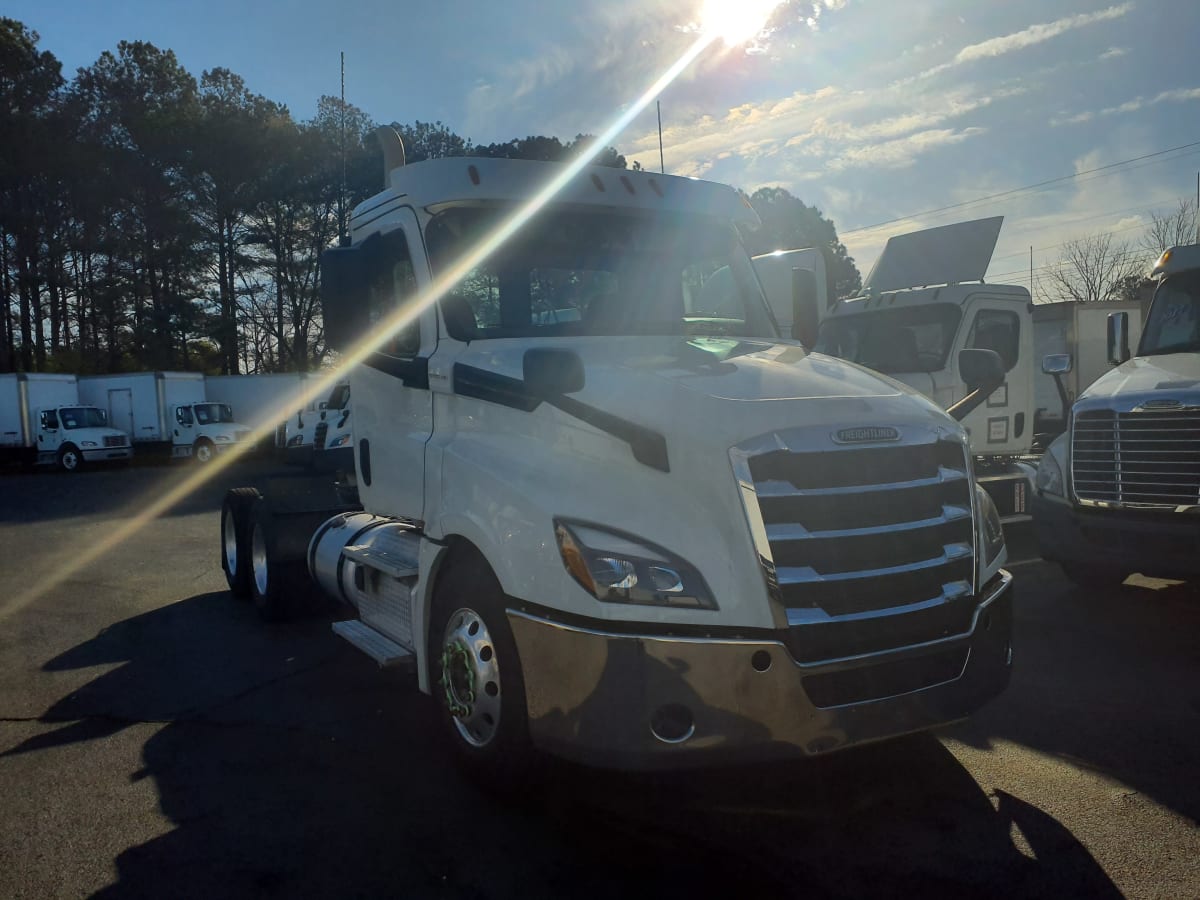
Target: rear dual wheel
<point>235,538</point>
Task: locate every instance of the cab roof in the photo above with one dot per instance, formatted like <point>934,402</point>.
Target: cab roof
<point>1177,259</point>
<point>438,183</point>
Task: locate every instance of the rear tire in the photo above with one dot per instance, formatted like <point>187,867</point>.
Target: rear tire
<point>70,459</point>
<point>235,539</point>
<point>475,675</point>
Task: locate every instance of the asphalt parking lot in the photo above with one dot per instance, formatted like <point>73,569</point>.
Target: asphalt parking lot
<point>157,740</point>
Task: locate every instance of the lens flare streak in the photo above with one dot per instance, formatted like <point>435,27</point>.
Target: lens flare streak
<point>78,560</point>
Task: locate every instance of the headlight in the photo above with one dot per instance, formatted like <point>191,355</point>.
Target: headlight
<point>991,531</point>
<point>619,568</point>
<point>295,440</point>
<point>1049,476</point>
<point>223,438</point>
<point>88,444</point>
<point>340,441</point>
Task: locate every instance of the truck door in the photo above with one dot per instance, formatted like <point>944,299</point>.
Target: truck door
<point>120,411</point>
<point>1003,424</point>
<point>391,406</point>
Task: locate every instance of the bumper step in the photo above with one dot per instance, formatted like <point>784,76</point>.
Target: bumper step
<point>382,649</point>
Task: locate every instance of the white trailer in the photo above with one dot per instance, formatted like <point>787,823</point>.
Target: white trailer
<point>1078,330</point>
<point>650,533</point>
<point>166,412</point>
<point>43,422</point>
<point>263,401</point>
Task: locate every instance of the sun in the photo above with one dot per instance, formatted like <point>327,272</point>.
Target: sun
<point>735,21</point>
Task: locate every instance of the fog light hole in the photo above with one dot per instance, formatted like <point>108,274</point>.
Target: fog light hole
<point>761,660</point>
<point>672,723</point>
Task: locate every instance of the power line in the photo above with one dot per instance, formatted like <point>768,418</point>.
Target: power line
<point>1026,188</point>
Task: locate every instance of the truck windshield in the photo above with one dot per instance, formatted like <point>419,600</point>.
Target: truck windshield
<point>82,417</point>
<point>589,273</point>
<point>894,341</point>
<point>213,413</point>
<point>1174,322</point>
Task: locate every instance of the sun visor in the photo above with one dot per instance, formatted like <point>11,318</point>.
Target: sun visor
<point>945,255</point>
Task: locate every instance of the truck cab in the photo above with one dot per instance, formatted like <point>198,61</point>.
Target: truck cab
<point>1119,492</point>
<point>205,429</point>
<point>70,436</point>
<point>607,510</point>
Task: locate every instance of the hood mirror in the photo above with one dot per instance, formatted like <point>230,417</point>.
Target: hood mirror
<point>552,372</point>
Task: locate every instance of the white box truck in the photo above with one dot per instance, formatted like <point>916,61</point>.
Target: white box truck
<point>261,401</point>
<point>1078,330</point>
<point>165,412</point>
<point>43,422</point>
<point>1119,491</point>
<point>650,533</point>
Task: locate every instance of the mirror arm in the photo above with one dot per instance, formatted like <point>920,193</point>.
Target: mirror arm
<point>964,407</point>
<point>1062,396</point>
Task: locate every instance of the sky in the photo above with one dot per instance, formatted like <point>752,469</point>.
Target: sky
<point>875,112</point>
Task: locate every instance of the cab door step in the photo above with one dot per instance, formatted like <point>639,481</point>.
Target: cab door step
<point>382,649</point>
<point>392,554</point>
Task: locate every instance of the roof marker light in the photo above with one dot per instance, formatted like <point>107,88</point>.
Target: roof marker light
<point>474,174</point>
<point>598,183</point>
<point>654,187</point>
<point>628,184</point>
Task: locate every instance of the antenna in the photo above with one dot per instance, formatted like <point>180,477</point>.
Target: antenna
<point>661,164</point>
<point>342,239</point>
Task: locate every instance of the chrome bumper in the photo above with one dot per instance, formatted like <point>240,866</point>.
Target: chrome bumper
<point>640,701</point>
<point>100,454</point>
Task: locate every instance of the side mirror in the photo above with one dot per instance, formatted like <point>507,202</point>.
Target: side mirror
<point>806,318</point>
<point>1057,363</point>
<point>550,372</point>
<point>346,276</point>
<point>982,371</point>
<point>1118,338</point>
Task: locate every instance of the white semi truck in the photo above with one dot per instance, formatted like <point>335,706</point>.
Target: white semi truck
<point>43,422</point>
<point>320,437</point>
<point>165,412</point>
<point>1119,492</point>
<point>651,532</point>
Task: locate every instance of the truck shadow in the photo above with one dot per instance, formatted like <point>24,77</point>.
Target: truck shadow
<point>287,764</point>
<point>1106,680</point>
<point>122,491</point>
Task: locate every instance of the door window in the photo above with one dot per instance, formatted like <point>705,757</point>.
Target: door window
<point>49,420</point>
<point>183,415</point>
<point>999,330</point>
<point>393,285</point>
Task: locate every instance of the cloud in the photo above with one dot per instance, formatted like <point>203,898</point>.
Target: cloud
<point>1114,52</point>
<point>1037,34</point>
<point>1176,95</point>
<point>1028,37</point>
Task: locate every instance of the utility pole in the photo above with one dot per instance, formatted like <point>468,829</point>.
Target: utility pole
<point>1032,289</point>
<point>342,190</point>
<point>662,165</point>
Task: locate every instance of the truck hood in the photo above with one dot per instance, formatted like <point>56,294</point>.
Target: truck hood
<point>726,388</point>
<point>1171,376</point>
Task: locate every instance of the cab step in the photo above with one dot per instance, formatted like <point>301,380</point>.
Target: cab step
<point>380,648</point>
<point>392,553</point>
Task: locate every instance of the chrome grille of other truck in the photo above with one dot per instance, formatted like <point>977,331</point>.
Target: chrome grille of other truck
<point>319,434</point>
<point>867,548</point>
<point>1140,458</point>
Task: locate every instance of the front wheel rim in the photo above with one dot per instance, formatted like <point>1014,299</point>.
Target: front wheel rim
<point>70,461</point>
<point>470,680</point>
<point>229,541</point>
<point>258,559</point>
<point>203,453</point>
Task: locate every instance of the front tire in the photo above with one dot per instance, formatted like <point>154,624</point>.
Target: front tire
<point>475,675</point>
<point>235,539</point>
<point>204,451</point>
<point>70,459</point>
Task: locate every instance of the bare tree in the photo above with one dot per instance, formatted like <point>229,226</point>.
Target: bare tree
<point>1172,229</point>
<point>1093,268</point>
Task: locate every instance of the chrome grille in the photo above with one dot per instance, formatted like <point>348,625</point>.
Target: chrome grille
<point>870,548</point>
<point>1149,458</point>
<point>114,440</point>
<point>319,434</point>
